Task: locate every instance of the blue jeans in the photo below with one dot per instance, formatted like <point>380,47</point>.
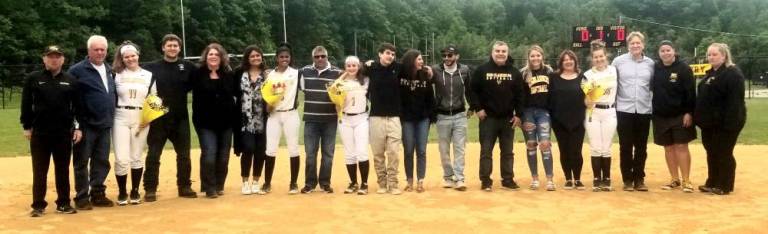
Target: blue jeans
<point>452,129</point>
<point>538,133</point>
<point>214,157</point>
<point>93,148</point>
<point>319,135</point>
<point>415,135</point>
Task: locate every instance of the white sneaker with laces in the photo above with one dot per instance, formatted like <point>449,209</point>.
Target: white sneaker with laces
<point>550,185</point>
<point>449,184</point>
<point>255,188</point>
<point>534,185</point>
<point>246,190</point>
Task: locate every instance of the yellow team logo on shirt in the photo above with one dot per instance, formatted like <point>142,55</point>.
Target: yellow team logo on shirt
<point>673,77</point>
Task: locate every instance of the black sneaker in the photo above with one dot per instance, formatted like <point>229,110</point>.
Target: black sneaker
<point>306,189</point>
<point>36,213</point>
<point>122,199</point>
<point>102,201</point>
<point>579,185</point>
<point>629,186</point>
<point>326,188</point>
<point>66,209</point>
<point>135,197</point>
<point>363,189</point>
<point>186,192</point>
<point>717,191</point>
<point>705,189</point>
<point>568,185</point>
<point>220,192</point>
<point>352,188</point>
<point>293,189</point>
<point>150,196</point>
<point>510,186</point>
<point>597,185</point>
<point>211,194</point>
<point>265,188</point>
<point>486,187</point>
<point>606,185</point>
<point>84,205</point>
<point>640,186</point>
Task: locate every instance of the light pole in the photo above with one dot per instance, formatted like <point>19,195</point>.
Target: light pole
<point>183,32</point>
<point>285,32</point>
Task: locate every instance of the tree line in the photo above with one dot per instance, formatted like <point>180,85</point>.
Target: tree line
<point>347,27</point>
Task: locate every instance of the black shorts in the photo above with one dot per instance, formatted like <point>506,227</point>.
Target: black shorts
<point>669,131</point>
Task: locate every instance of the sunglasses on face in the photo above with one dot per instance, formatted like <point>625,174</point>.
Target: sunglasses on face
<point>322,56</point>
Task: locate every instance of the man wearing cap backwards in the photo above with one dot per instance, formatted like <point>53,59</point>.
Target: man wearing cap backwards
<point>96,89</point>
<point>451,81</point>
<point>48,105</point>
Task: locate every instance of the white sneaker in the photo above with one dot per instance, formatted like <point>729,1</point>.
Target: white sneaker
<point>255,188</point>
<point>449,184</point>
<point>246,190</point>
<point>461,186</point>
<point>550,185</point>
<point>395,191</point>
<point>381,190</point>
<point>534,185</point>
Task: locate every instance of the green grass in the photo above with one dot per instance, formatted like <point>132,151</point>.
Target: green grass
<point>12,142</point>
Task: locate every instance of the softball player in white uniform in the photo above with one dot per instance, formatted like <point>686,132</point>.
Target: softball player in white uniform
<point>353,125</point>
<point>601,123</point>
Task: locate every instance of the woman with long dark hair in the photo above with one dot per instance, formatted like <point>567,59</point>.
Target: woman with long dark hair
<point>567,110</point>
<point>213,108</point>
<point>250,138</point>
<point>418,104</point>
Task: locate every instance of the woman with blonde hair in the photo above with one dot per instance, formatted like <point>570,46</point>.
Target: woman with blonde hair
<point>353,124</point>
<point>720,114</point>
<point>129,136</point>
<point>536,119</point>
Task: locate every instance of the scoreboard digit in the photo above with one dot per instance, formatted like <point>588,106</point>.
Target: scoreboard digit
<point>613,36</point>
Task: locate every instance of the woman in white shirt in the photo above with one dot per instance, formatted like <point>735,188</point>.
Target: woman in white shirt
<point>129,137</point>
<point>601,115</point>
<point>283,118</point>
<point>354,123</point>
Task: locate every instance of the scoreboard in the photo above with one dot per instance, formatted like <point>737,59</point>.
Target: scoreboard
<point>613,36</point>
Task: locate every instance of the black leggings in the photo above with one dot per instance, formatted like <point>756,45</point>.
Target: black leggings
<point>254,146</point>
<point>570,141</point>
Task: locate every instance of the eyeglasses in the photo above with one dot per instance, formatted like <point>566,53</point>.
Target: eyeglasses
<point>447,55</point>
<point>322,56</point>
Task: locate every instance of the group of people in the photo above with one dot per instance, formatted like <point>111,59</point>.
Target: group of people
<point>384,104</point>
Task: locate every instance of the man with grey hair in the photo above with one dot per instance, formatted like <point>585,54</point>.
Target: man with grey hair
<point>319,119</point>
<point>96,88</point>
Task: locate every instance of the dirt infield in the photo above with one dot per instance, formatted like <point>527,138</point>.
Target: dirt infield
<point>437,210</point>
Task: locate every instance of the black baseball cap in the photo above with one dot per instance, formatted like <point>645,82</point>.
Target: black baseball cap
<point>450,49</point>
<point>52,49</point>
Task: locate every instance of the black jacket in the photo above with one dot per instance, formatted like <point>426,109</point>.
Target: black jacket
<point>720,102</point>
<point>451,89</point>
<point>49,103</point>
<point>674,89</point>
<point>384,89</point>
<point>417,97</point>
<point>172,80</point>
<point>498,90</point>
<point>213,101</point>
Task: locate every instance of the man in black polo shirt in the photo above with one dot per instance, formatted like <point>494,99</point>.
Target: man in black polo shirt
<point>320,119</point>
<point>171,75</point>
<point>48,105</point>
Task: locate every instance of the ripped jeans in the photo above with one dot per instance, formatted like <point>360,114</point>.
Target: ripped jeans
<point>536,129</point>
